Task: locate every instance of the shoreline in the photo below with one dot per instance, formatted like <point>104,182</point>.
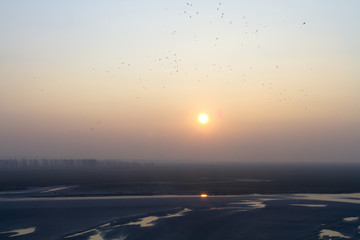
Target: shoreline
<point>305,196</point>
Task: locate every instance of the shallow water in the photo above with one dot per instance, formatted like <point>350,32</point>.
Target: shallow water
<point>283,216</point>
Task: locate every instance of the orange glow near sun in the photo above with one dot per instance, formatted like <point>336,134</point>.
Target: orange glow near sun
<point>203,195</point>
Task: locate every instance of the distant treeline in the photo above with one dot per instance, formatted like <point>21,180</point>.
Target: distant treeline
<point>65,163</point>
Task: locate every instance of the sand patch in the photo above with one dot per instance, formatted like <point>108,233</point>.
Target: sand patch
<point>331,233</point>
<point>21,232</point>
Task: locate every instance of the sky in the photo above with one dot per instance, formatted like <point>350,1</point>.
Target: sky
<point>279,80</point>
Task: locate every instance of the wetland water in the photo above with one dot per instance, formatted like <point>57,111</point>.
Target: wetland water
<point>280,216</point>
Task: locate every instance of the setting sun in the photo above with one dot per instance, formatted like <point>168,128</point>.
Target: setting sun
<point>203,118</point>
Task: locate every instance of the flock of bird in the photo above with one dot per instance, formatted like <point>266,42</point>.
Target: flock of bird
<point>173,66</point>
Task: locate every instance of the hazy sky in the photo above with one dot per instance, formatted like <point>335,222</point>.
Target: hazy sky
<point>279,80</point>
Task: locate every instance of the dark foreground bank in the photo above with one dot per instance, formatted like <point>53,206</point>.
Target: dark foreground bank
<point>119,179</point>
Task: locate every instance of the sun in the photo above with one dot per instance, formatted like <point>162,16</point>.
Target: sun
<point>203,118</point>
